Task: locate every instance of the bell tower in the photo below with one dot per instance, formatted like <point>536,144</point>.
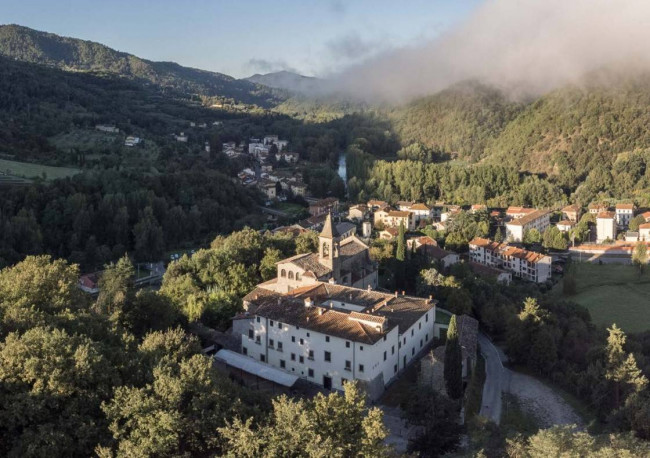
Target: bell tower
<point>328,247</point>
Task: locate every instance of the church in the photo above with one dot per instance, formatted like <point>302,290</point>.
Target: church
<point>340,260</point>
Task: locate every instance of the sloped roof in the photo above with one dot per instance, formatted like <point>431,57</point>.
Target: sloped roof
<point>329,229</point>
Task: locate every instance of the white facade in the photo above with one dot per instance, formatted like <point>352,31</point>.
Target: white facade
<point>624,213</point>
<point>517,228</point>
<point>605,227</point>
<point>524,264</point>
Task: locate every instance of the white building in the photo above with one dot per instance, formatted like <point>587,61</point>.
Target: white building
<point>524,264</point>
<point>565,225</point>
<point>132,141</point>
<point>181,138</point>
<point>421,212</point>
<point>330,334</point>
<point>258,150</point>
<point>644,232</point>
<point>395,218</point>
<point>107,128</point>
<point>517,228</point>
<point>624,213</point>
<point>606,226</point>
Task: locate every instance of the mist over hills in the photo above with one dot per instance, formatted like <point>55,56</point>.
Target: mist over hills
<point>286,80</point>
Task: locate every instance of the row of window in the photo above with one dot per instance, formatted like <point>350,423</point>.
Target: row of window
<point>290,275</point>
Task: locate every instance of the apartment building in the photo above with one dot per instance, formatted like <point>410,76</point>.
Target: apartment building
<point>624,213</point>
<point>330,334</point>
<point>524,264</point>
<point>517,228</point>
<point>605,226</point>
<point>395,218</point>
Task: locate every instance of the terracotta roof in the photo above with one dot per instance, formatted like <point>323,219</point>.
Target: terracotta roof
<point>529,217</point>
<point>325,202</point>
<point>420,207</point>
<point>624,206</point>
<point>399,214</point>
<point>404,202</point>
<point>507,250</point>
<point>571,208</point>
<point>393,231</point>
<point>644,226</point>
<point>377,203</point>
<point>606,215</point>
<point>566,222</point>
<point>518,210</point>
<point>646,215</point>
<point>478,207</point>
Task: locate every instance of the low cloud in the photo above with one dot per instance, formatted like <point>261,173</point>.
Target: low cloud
<point>533,46</point>
<point>352,46</point>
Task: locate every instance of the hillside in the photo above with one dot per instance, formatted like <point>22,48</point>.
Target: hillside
<point>285,80</point>
<point>462,119</point>
<point>65,53</point>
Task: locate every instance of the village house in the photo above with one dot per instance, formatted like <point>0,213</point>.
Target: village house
<point>524,264</point>
<point>571,213</point>
<point>605,226</point>
<point>324,206</point>
<point>377,204</point>
<point>517,228</point>
<point>450,212</point>
<point>518,212</point>
<point>644,232</point>
<point>343,260</point>
<point>477,207</point>
<point>330,334</point>
<point>181,137</point>
<point>565,225</point>
<point>421,212</point>
<point>429,248</point>
<point>268,187</point>
<point>315,223</point>
<point>132,141</point>
<point>389,233</point>
<point>631,236</point>
<point>624,213</point>
<point>646,216</point>
<point>358,212</point>
<point>90,282</point>
<point>395,218</point>
<point>107,128</point>
<point>595,208</point>
<point>258,150</point>
<point>403,205</point>
<point>299,188</point>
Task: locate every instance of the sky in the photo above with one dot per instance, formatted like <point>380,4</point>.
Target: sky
<point>242,37</point>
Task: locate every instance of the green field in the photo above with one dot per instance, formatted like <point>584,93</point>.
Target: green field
<point>614,293</point>
<point>28,170</point>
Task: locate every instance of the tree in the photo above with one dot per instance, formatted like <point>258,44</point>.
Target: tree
<point>543,354</point>
<point>307,242</point>
<point>532,236</point>
<point>116,288</point>
<point>149,242</point>
<point>400,254</point>
<point>453,371</point>
<point>640,256</point>
<point>498,236</point>
<point>636,222</point>
<point>620,367</point>
<point>268,268</point>
<point>459,301</point>
<point>333,425</point>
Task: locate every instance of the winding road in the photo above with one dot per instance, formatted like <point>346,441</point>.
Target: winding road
<point>496,378</point>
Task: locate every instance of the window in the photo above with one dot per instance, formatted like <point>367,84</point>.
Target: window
<point>293,356</point>
<point>412,331</point>
<point>384,338</point>
<point>347,344</point>
<point>412,351</point>
<point>426,317</point>
<point>263,358</point>
<point>348,365</point>
<point>251,334</point>
<point>258,319</point>
<point>257,340</point>
<point>244,350</point>
<point>297,276</point>
<point>384,356</point>
<point>361,347</point>
<point>420,343</point>
<point>302,342</point>
<point>290,275</point>
<point>271,323</point>
<point>395,368</point>
<point>426,337</point>
<point>307,334</point>
<point>310,372</point>
<point>283,364</point>
<point>360,367</point>
<point>293,338</point>
<point>279,325</point>
<point>271,343</point>
<point>392,350</point>
<point>328,356</point>
<point>327,338</point>
<point>301,359</point>
<point>311,355</point>
<point>343,381</point>
<point>279,345</point>
<point>283,273</point>
<point>404,340</point>
<point>419,325</point>
<point>399,344</point>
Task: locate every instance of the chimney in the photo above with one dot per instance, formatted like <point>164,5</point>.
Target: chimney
<point>395,293</point>
<point>430,297</point>
<point>331,305</point>
<point>320,311</point>
<point>369,288</point>
<point>402,292</point>
<point>308,302</point>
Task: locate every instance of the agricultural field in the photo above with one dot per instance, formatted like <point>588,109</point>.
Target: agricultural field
<point>613,293</point>
<point>29,170</point>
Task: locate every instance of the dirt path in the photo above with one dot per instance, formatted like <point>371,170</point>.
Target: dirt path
<point>548,407</point>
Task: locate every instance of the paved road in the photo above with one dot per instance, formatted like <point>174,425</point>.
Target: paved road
<point>496,380</point>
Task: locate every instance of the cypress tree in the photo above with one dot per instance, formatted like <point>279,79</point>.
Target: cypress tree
<point>498,236</point>
<point>453,362</point>
<point>401,243</point>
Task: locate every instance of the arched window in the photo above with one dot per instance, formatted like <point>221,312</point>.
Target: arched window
<point>297,276</point>
<point>290,275</point>
<point>326,250</point>
<point>283,273</point>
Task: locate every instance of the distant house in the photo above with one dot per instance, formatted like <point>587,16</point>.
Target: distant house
<point>646,216</point>
<point>132,141</point>
<point>537,219</point>
<point>429,248</point>
<point>449,213</point>
<point>358,212</point>
<point>377,204</point>
<point>525,264</point>
<point>403,205</point>
<point>595,208</point>
<point>644,232</point>
<point>389,233</point>
<point>477,207</point>
<point>631,236</point>
<point>268,187</point>
<point>181,138</point>
<point>395,218</point>
<point>565,225</point>
<point>571,213</point>
<point>324,206</point>
<point>605,226</point>
<point>299,188</point>
<point>107,128</point>
<point>421,212</point>
<point>624,213</point>
<point>90,282</point>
